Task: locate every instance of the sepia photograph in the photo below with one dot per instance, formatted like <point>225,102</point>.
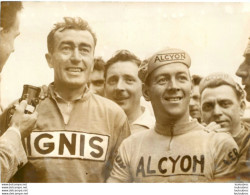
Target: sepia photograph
<point>124,92</point>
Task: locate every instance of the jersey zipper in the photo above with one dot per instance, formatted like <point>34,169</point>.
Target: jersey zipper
<point>171,136</point>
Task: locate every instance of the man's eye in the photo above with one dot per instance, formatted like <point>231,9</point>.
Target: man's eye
<point>112,81</point>
<point>98,83</point>
<point>129,80</point>
<point>225,104</point>
<point>84,50</point>
<point>182,78</point>
<point>207,107</point>
<point>196,98</point>
<point>162,81</point>
<point>66,48</point>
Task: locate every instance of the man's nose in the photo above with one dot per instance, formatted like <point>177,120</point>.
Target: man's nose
<point>173,85</point>
<point>217,110</point>
<point>76,56</point>
<point>120,85</point>
<point>192,102</point>
<point>242,70</point>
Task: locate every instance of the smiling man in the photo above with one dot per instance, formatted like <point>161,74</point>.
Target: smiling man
<point>77,131</point>
<point>123,86</point>
<point>222,102</point>
<point>176,149</point>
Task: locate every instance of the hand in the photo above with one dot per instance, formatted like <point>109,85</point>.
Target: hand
<point>44,92</point>
<point>213,126</point>
<point>24,122</point>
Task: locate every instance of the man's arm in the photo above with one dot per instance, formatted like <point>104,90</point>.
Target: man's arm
<point>121,171</point>
<point>12,154</point>
<point>226,154</point>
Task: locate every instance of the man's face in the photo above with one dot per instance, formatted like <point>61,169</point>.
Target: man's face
<point>73,57</point>
<point>244,72</point>
<point>220,104</point>
<point>97,82</point>
<point>169,91</point>
<point>123,85</point>
<point>7,39</point>
<point>194,105</point>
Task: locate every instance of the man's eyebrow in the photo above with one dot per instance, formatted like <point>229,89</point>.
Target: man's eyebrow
<point>72,43</point>
<point>162,74</point>
<point>129,75</point>
<point>85,45</point>
<point>182,72</point>
<point>208,102</point>
<point>224,99</point>
<point>67,42</point>
<point>112,76</point>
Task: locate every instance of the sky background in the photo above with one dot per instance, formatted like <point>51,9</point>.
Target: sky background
<point>214,34</point>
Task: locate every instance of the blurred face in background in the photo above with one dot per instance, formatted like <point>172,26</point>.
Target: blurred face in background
<point>244,72</point>
<point>194,105</point>
<point>96,82</point>
<point>7,38</point>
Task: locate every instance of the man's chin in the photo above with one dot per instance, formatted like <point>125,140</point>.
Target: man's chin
<point>75,85</point>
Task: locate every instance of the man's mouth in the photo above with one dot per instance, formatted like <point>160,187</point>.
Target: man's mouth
<point>221,123</point>
<point>74,69</point>
<point>194,111</point>
<point>173,99</point>
<point>119,99</point>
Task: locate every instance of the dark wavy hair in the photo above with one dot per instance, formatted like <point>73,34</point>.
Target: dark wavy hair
<point>122,55</point>
<point>69,23</point>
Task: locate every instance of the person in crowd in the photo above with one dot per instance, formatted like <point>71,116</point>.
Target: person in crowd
<point>194,105</point>
<point>12,154</point>
<point>123,86</point>
<point>176,149</point>
<point>77,132</point>
<point>96,81</point>
<point>223,103</point>
<point>244,71</point>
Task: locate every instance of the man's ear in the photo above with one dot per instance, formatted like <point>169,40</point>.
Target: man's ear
<point>145,92</point>
<point>1,29</point>
<point>49,60</point>
<point>242,107</point>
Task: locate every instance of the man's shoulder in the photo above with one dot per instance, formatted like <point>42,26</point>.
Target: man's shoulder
<point>138,137</point>
<point>104,102</point>
<point>221,140</point>
<point>214,137</point>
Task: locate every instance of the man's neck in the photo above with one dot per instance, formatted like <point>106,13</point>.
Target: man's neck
<point>135,114</point>
<point>169,122</point>
<point>236,130</point>
<point>69,94</point>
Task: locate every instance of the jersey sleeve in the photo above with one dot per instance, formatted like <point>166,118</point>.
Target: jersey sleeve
<point>226,153</point>
<point>121,132</point>
<point>4,118</point>
<point>12,154</point>
<point>121,170</point>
